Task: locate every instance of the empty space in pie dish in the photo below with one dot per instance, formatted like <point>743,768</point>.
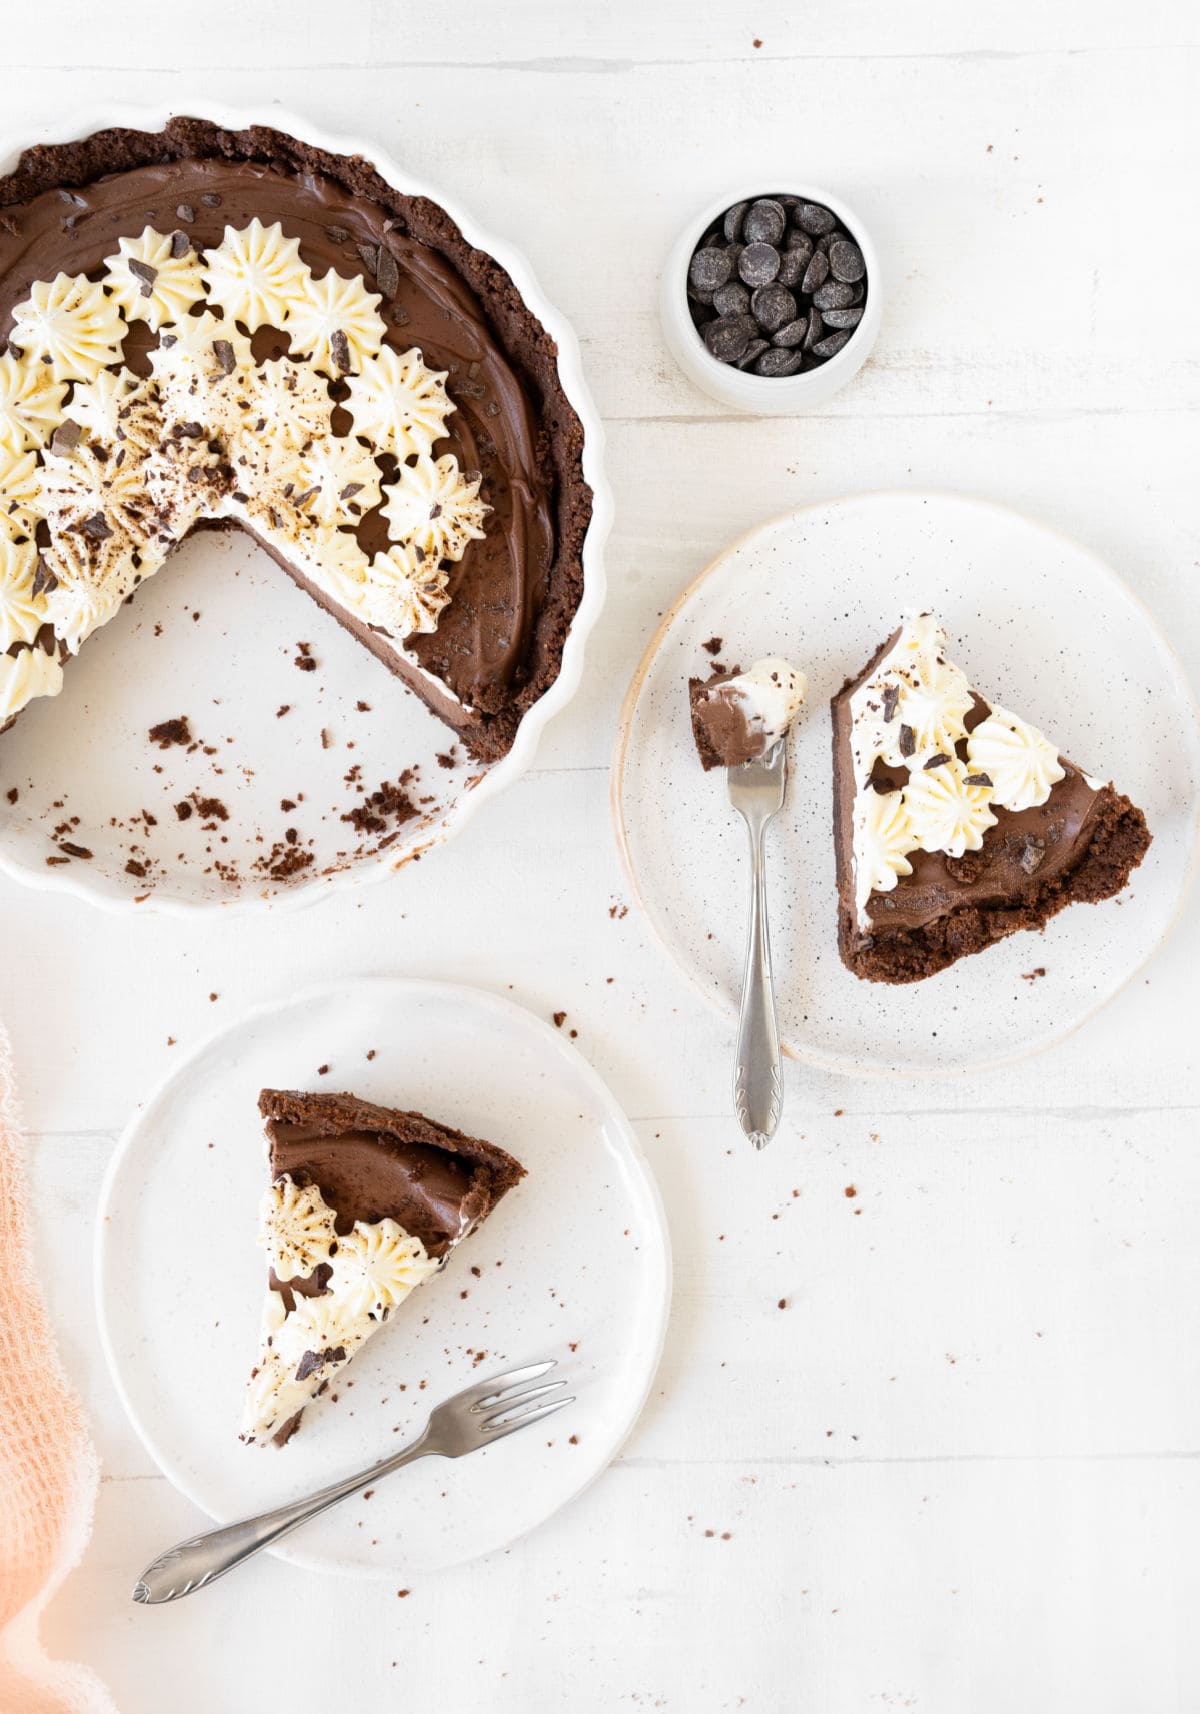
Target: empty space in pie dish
<point>291,727</point>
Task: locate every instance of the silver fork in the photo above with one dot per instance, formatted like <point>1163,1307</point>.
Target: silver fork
<point>478,1416</point>
<point>756,791</point>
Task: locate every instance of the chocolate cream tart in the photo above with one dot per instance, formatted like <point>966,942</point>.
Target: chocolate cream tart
<point>956,823</point>
<point>211,329</point>
<point>365,1204</point>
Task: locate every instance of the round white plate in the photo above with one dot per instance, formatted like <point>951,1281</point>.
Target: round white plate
<point>1035,620</point>
<point>214,637</point>
<point>573,1264</point>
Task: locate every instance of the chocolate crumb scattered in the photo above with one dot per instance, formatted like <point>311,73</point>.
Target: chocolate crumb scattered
<point>714,645</point>
<point>322,1071</point>
<point>12,794</point>
<point>183,810</point>
<point>1034,975</point>
<point>850,1190</point>
<point>73,850</point>
<point>133,867</point>
<point>169,732</point>
<point>560,1019</point>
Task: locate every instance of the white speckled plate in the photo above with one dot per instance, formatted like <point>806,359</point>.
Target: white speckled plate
<point>214,637</point>
<point>573,1264</point>
<point>1035,620</point>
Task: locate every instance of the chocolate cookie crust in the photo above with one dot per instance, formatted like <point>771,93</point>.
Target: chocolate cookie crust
<point>525,627</point>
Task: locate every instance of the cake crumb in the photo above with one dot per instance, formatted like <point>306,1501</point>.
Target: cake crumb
<point>169,732</point>
<point>560,1019</point>
<point>850,1190</point>
<point>370,1053</point>
<point>783,1303</point>
<point>322,1071</point>
<point>1033,975</point>
<point>714,645</point>
<point>304,660</point>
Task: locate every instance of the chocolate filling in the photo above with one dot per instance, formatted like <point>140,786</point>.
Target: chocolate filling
<point>498,644</point>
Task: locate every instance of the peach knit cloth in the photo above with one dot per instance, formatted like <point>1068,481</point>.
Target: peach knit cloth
<point>49,1471</point>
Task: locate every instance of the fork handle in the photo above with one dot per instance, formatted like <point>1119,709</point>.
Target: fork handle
<point>758,1076</point>
<point>200,1560</point>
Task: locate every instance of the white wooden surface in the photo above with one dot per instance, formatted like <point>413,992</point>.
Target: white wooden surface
<point>960,1470</point>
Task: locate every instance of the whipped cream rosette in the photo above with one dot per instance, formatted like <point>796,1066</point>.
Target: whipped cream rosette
<point>109,467</point>
<point>931,762</point>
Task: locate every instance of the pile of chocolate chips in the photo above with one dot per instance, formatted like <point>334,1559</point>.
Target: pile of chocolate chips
<point>776,286</point>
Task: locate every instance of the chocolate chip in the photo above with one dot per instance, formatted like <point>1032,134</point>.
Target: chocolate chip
<point>846,260</point>
<point>891,696</point>
<point>758,264</point>
<point>731,226</point>
<point>843,317</point>
<point>65,437</point>
<point>908,740</point>
<point>816,329</point>
<point>752,353</point>
<point>336,234</point>
<point>732,299</point>
<point>709,269</point>
<point>180,244</point>
<point>797,240</point>
<point>979,780</point>
<point>728,336</point>
<point>765,222</point>
<point>834,294</point>
<point>937,760</point>
<point>223,352</point>
<point>210,199</point>
<point>791,333</point>
<point>185,211</point>
<point>831,346</point>
<point>387,275</point>
<point>145,273</point>
<point>773,307</point>
<point>813,218</point>
<point>816,273</point>
<point>339,347</point>
<point>792,264</point>
<point>96,527</point>
<point>778,361</point>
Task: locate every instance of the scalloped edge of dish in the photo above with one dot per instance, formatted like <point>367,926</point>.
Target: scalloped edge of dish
<point>109,894</point>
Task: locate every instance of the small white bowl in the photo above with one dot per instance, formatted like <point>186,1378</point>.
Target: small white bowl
<point>766,395</point>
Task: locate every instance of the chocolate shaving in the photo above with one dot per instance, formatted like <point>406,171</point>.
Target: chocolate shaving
<point>44,579</point>
<point>145,273</point>
<point>350,490</point>
<point>339,345</point>
<point>180,242</point>
<point>65,437</point>
<point>223,352</point>
<point>908,740</point>
<point>387,274</point>
<point>1032,852</point>
<point>980,780</point>
<point>210,199</point>
<point>891,696</point>
<point>370,256</point>
<point>96,527</point>
<point>336,234</point>
<point>938,760</point>
<point>185,211</point>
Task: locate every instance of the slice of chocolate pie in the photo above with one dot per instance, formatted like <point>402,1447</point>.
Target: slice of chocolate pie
<point>365,1204</point>
<point>955,822</point>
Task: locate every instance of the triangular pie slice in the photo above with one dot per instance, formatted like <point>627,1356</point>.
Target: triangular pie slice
<point>365,1203</point>
<point>957,823</point>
